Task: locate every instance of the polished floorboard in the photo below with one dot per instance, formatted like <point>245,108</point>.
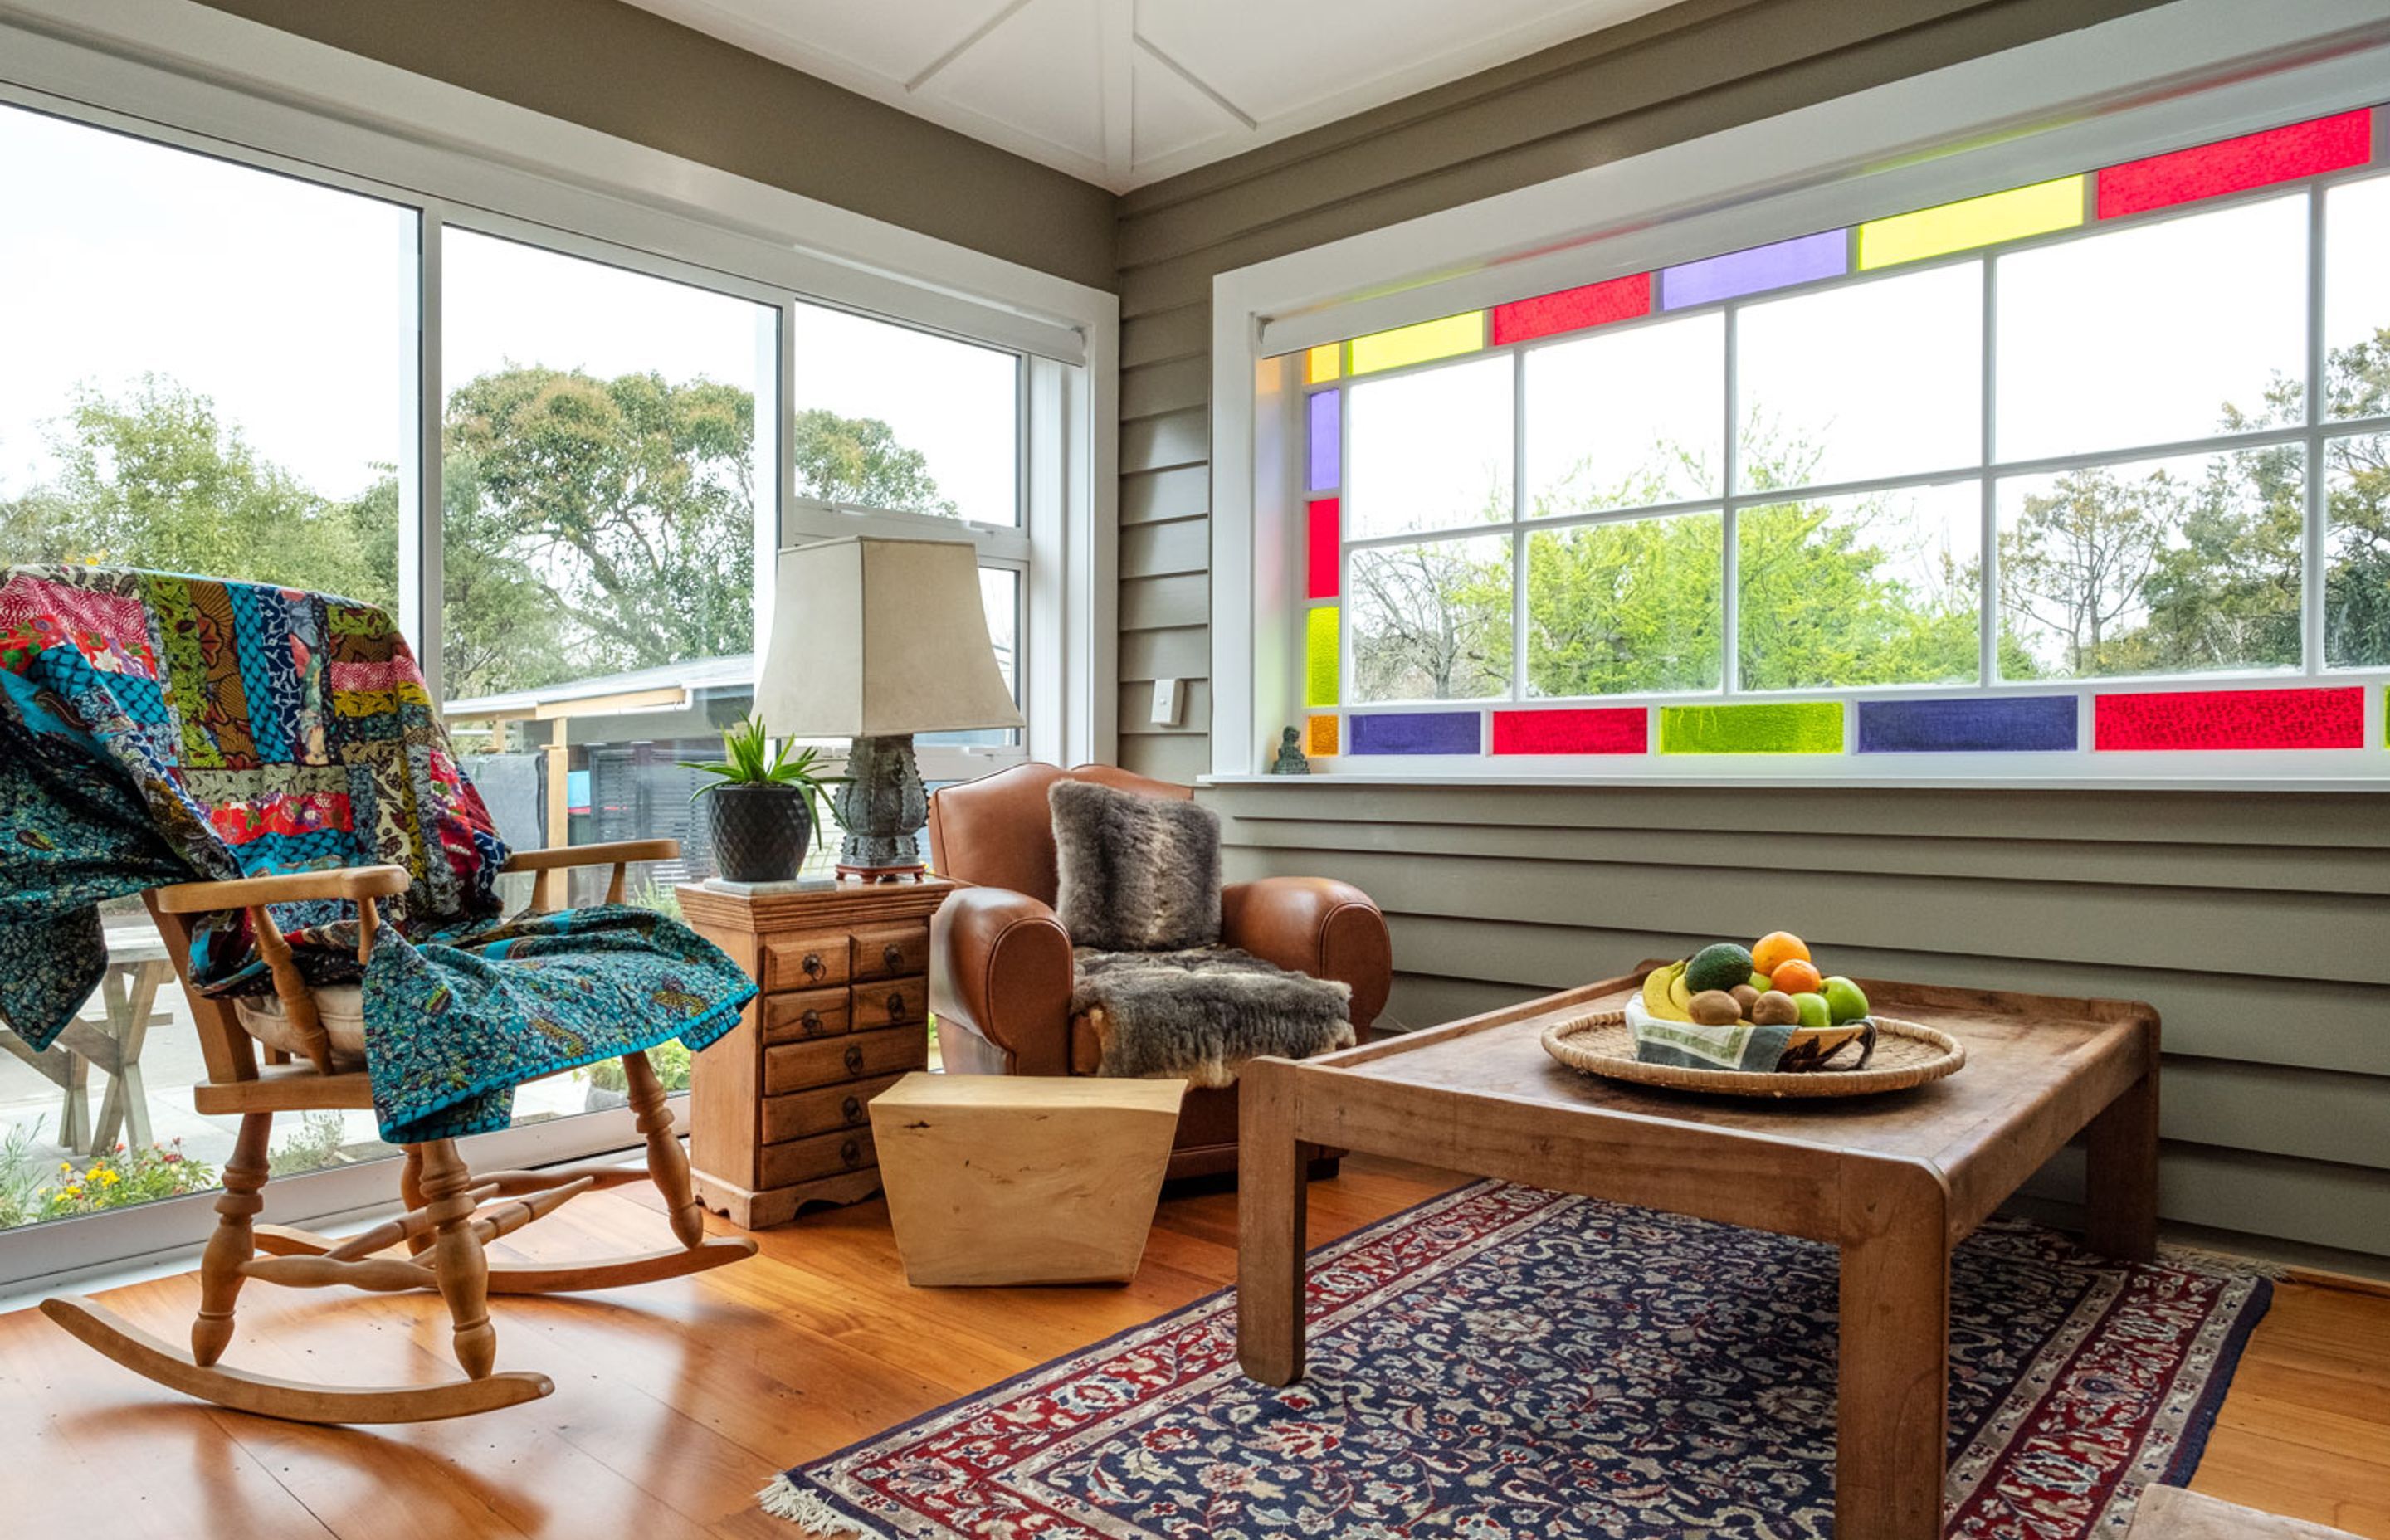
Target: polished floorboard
<point>677,1401</point>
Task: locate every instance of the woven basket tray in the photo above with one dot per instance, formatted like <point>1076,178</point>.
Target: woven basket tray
<point>1905,1053</point>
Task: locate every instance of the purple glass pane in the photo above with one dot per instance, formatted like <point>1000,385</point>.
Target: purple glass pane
<point>1415,733</point>
<point>1984,725</point>
<point>1327,439</point>
<point>1823,255</point>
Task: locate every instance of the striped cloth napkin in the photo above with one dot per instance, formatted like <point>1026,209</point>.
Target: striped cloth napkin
<point>1691,1045</point>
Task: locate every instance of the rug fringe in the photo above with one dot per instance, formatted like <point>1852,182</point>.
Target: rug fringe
<point>785,1499</point>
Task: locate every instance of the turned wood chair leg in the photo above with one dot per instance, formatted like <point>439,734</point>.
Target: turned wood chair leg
<point>233,1242</point>
<point>410,1193</point>
<point>667,1164</point>
<point>457,1256</point>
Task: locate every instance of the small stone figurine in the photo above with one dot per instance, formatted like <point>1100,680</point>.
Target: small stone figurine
<point>1290,761</point>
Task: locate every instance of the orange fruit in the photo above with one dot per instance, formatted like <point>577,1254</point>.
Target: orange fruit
<point>1796,976</point>
<point>1777,948</point>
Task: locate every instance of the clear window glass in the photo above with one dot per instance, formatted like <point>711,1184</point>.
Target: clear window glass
<point>1627,607</point>
<point>1431,620</point>
<point>204,368</point>
<point>887,416</point>
<point>2154,332</point>
<point>1876,379</point>
<point>999,596</point>
<point>1882,588</point>
<point>1431,450</point>
<point>2172,566</point>
<point>2356,551</point>
<point>2356,300</point>
<point>1627,418</point>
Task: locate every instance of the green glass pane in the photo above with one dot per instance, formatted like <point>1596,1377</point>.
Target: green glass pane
<point>1793,727</point>
<point>1319,660</point>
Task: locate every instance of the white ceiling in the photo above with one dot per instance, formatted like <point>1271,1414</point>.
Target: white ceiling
<point>1126,92</point>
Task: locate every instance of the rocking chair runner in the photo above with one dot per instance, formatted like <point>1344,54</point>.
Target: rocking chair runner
<point>451,1214</point>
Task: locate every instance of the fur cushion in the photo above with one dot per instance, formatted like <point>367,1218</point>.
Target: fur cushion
<point>1138,874</point>
<point>1202,1013</point>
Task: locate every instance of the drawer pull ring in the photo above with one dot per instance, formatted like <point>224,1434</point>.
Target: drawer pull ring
<point>893,957</point>
<point>813,966</point>
<point>854,1058</point>
<point>851,1152</point>
<point>895,1007</point>
<point>852,1108</point>
<point>810,1022</point>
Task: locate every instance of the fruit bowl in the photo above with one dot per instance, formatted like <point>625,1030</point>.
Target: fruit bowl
<point>1766,1009</point>
<point>1907,1054</point>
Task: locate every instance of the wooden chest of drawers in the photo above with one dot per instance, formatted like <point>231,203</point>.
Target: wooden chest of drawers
<point>778,1112</point>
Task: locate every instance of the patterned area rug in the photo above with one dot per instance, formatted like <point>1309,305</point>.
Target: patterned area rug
<point>1503,1362</point>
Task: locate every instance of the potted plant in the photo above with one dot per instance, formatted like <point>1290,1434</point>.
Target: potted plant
<point>762,807</point>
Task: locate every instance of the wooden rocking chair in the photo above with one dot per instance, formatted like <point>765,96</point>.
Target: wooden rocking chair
<point>446,1223</point>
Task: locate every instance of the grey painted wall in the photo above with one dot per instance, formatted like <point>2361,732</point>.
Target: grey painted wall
<point>2257,925</point>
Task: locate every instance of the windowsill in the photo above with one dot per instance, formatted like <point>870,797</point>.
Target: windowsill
<point>1763,780</point>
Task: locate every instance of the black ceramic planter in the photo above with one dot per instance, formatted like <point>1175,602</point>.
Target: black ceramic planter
<point>760,832</point>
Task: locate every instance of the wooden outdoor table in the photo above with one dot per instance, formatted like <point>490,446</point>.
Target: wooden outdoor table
<point>130,991</point>
<point>1894,1180</point>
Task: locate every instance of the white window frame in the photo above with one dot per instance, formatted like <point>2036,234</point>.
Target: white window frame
<point>187,76</point>
<point>2050,108</point>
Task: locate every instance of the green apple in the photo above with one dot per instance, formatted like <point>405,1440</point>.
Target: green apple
<point>1759,982</point>
<point>1845,1000</point>
<point>1812,1009</point>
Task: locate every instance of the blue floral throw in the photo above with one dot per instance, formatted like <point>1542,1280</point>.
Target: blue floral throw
<point>156,729</point>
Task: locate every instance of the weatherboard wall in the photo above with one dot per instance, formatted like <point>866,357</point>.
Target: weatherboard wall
<point>1676,74</point>
<point>2254,923</point>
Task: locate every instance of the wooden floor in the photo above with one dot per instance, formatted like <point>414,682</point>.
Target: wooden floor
<point>675,1402</point>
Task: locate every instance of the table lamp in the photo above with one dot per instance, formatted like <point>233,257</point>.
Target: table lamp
<point>876,640</point>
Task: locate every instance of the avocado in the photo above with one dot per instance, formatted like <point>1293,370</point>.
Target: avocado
<point>1719,967</point>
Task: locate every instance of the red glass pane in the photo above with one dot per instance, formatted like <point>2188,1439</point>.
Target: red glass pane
<point>1326,532</point>
<point>1605,730</point>
<point>2236,166</point>
<point>2231,718</point>
<point>1574,309</point>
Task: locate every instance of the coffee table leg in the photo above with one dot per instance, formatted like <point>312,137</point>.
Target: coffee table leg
<point>1269,1224</point>
<point>1892,1423</point>
<point>2121,1176</point>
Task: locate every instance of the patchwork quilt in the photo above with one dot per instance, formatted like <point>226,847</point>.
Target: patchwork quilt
<point>157,728</point>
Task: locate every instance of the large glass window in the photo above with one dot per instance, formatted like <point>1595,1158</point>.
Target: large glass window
<point>2108,428</point>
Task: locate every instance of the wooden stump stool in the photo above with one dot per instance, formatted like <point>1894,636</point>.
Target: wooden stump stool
<point>1008,1179</point>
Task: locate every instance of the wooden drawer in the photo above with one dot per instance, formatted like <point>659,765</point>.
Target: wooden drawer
<point>892,951</point>
<point>826,1155</point>
<point>890,1002</point>
<point>860,1055</point>
<point>802,1114</point>
<point>804,1015</point>
<point>814,961</point>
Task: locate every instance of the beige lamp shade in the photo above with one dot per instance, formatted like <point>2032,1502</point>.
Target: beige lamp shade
<point>877,638</point>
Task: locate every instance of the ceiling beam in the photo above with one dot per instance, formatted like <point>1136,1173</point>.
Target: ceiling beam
<point>929,71</point>
<point>1198,82</point>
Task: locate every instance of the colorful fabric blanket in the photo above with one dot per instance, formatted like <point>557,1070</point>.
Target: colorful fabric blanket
<point>158,729</point>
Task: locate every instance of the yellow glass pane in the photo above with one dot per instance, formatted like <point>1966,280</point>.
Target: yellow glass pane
<point>1319,667</point>
<point>1416,345</point>
<point>1323,363</point>
<point>2032,210</point>
<point>1320,741</point>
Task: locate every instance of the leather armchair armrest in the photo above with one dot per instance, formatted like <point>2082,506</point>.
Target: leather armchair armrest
<point>1000,966</point>
<point>1315,925</point>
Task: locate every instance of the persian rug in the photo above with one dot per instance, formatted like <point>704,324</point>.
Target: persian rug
<point>1507,1364</point>
<point>156,728</point>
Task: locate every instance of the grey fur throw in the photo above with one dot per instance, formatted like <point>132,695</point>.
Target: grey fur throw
<point>1138,874</point>
<point>1200,1013</point>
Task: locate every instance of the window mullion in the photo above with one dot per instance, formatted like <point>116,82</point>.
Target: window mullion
<point>1519,524</point>
<point>1730,563</point>
<point>1987,552</point>
<point>2311,548</point>
<point>420,581</point>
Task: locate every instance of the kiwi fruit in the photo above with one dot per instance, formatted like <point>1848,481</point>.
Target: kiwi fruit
<point>1743,996</point>
<point>1714,1008</point>
<point>1773,1009</point>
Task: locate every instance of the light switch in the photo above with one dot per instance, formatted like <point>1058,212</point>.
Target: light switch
<point>1166,696</point>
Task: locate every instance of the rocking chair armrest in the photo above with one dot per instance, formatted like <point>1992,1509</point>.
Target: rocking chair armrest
<point>354,883</point>
<point>613,853</point>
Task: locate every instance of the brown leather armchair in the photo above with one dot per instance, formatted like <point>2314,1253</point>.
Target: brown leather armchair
<point>1000,961</point>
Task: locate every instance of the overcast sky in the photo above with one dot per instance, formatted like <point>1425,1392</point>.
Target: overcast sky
<point>292,307</point>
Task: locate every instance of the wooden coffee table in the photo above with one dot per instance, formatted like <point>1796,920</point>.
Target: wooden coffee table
<point>1894,1180</point>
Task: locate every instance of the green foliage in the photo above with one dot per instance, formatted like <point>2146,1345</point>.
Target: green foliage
<point>124,1177</point>
<point>748,758</point>
<point>20,1180</point>
<point>154,479</point>
<point>857,461</point>
<point>669,1058</point>
<point>315,1144</point>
